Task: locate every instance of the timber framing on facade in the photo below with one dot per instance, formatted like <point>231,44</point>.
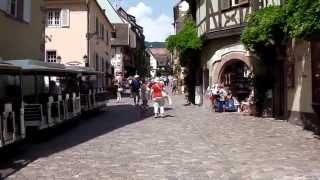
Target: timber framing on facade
<point>222,18</point>
<point>295,92</point>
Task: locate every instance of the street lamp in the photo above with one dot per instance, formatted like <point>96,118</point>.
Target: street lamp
<point>58,59</point>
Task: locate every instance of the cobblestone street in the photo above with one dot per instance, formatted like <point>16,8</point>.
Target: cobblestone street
<point>190,143</point>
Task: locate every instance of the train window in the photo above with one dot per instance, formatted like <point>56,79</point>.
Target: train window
<point>46,83</point>
<point>9,86</point>
<point>28,84</point>
<point>40,84</point>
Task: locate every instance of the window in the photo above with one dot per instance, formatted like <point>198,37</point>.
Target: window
<point>13,7</point>
<point>107,37</point>
<point>9,86</point>
<point>54,18</point>
<point>114,34</point>
<point>97,25</point>
<point>102,65</point>
<point>227,4</point>
<point>102,31</point>
<point>97,62</point>
<point>239,2</point>
<point>19,9</point>
<point>51,56</point>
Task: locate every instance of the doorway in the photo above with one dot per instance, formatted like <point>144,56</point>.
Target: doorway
<point>315,60</point>
<point>236,77</point>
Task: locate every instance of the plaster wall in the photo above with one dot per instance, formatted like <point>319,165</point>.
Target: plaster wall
<point>23,40</point>
<point>69,42</point>
<point>117,62</point>
<point>153,66</point>
<point>300,96</point>
<point>99,46</point>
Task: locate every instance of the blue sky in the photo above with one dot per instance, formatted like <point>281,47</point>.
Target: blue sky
<point>156,16</point>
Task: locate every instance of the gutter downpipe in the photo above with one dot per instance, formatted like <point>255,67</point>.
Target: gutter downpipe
<point>88,32</point>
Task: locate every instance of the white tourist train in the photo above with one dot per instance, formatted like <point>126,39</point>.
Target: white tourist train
<point>35,95</point>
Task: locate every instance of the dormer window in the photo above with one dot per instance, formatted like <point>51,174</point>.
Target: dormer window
<point>114,34</point>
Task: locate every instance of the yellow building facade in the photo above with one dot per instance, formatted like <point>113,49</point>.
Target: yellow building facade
<point>22,29</point>
<point>78,34</point>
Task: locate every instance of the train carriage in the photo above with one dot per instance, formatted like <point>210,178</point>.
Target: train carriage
<point>12,127</point>
<point>93,95</point>
<point>51,93</point>
<point>35,95</point>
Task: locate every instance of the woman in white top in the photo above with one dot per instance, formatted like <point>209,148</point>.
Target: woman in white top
<point>119,91</point>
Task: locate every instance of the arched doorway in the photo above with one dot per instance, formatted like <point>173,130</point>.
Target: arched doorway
<point>236,75</point>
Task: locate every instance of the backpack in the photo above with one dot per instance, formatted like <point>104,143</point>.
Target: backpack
<point>135,85</point>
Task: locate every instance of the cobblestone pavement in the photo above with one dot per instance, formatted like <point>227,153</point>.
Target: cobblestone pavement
<point>123,143</point>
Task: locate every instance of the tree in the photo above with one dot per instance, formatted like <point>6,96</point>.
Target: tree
<point>187,44</point>
<point>303,18</point>
<point>185,41</point>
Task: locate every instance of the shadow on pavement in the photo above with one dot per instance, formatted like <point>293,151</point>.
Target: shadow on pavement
<point>113,117</point>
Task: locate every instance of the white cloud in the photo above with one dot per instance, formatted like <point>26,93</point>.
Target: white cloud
<point>155,28</point>
<point>140,10</point>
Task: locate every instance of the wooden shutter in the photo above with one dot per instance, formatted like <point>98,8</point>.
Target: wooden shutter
<point>225,4</point>
<point>27,10</point>
<point>65,17</point>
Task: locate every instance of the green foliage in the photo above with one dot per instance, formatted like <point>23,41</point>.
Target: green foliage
<point>187,44</point>
<point>187,39</point>
<point>303,18</point>
<point>265,29</point>
<point>272,26</point>
<point>177,69</point>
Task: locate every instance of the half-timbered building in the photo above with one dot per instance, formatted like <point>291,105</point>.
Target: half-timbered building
<point>224,60</point>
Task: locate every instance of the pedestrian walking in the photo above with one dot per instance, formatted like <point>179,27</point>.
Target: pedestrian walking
<point>157,96</point>
<point>119,91</point>
<point>144,94</point>
<point>135,89</point>
<point>174,86</point>
<point>221,96</point>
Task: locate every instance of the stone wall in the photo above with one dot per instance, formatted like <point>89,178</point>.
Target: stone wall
<point>299,92</point>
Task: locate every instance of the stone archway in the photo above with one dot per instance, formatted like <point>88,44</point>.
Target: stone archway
<point>229,59</point>
<point>234,71</point>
